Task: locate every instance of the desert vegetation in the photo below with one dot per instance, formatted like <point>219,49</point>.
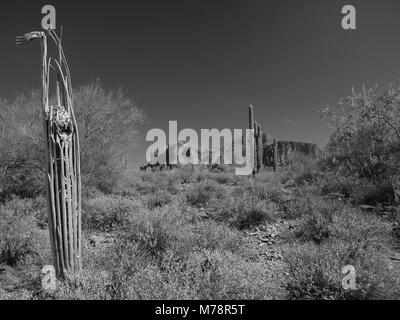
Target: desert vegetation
<point>190,233</point>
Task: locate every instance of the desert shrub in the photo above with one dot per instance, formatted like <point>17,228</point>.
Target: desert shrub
<point>89,192</point>
<point>358,190</point>
<point>151,233</point>
<point>223,177</point>
<point>370,193</point>
<point>276,195</point>
<point>158,199</point>
<point>108,213</point>
<point>365,141</point>
<point>268,177</point>
<point>20,295</point>
<point>211,236</point>
<point>315,224</point>
<point>149,236</point>
<point>159,255</point>
<point>336,220</point>
<point>311,273</point>
<point>21,240</point>
<point>259,191</point>
<point>215,275</point>
<point>93,286</point>
<point>315,272</point>
<point>135,184</point>
<point>39,207</point>
<point>300,202</point>
<point>332,185</point>
<point>185,174</point>
<point>296,208</point>
<point>315,228</point>
<point>22,183</point>
<point>170,184</point>
<point>200,275</point>
<point>94,282</point>
<point>201,175</point>
<point>145,187</point>
<point>242,211</point>
<point>334,239</point>
<point>302,168</point>
<point>202,193</point>
<point>21,149</point>
<point>396,232</point>
<point>265,187</point>
<point>108,121</point>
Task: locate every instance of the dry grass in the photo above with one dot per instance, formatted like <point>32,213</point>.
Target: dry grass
<point>177,235</point>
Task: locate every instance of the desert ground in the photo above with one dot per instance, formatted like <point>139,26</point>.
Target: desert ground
<point>197,234</point>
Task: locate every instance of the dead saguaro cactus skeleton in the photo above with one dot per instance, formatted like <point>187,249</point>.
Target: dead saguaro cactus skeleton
<point>63,181</point>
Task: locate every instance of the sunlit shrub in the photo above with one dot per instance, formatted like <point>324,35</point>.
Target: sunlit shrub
<point>21,239</point>
<point>202,193</point>
<point>108,213</point>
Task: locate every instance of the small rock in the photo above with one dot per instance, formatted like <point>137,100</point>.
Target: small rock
<point>96,240</point>
<point>278,256</point>
<point>368,208</point>
<point>203,215</point>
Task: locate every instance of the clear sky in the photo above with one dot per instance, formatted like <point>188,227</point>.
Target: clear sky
<point>203,62</point>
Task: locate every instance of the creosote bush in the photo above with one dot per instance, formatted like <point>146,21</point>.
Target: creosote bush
<point>364,144</point>
<point>224,178</point>
<point>202,193</point>
<point>135,184</point>
<point>302,168</point>
<point>242,210</point>
<point>158,199</point>
<point>21,239</point>
<point>159,255</point>
<point>315,272</point>
<point>332,237</point>
<point>315,224</point>
<point>109,213</point>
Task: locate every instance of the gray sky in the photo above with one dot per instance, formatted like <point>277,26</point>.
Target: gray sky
<point>203,62</point>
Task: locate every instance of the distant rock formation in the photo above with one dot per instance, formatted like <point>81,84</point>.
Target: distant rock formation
<point>161,160</point>
<point>286,149</point>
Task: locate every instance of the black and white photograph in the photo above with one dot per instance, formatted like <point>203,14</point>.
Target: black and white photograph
<point>201,155</point>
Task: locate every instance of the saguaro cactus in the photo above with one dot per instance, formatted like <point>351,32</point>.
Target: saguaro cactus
<point>252,127</point>
<point>255,146</point>
<point>258,141</point>
<point>259,147</point>
<point>63,181</point>
<point>251,117</point>
<point>257,150</point>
